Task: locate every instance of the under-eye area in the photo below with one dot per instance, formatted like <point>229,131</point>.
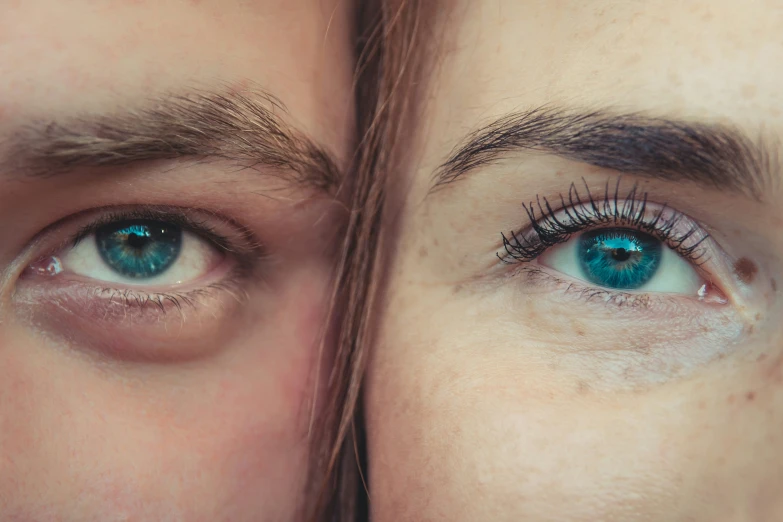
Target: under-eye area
<point>137,270</point>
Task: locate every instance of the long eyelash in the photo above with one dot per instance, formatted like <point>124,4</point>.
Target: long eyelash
<point>583,211</point>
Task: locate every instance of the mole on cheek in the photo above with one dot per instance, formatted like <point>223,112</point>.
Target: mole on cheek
<point>746,270</point>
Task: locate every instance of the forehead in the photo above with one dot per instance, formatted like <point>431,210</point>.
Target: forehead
<point>84,56</point>
<point>704,60</point>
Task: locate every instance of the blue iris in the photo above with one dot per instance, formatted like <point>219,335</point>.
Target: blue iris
<point>619,258</point>
<point>139,249</point>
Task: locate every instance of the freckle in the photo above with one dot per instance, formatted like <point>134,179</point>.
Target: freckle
<point>731,399</point>
<point>579,328</point>
<point>435,242</point>
<point>457,289</point>
<point>746,270</point>
<point>762,357</point>
<point>774,372</point>
<point>674,78</point>
<point>702,405</point>
<point>748,91</point>
<point>750,396</point>
<point>423,252</point>
<point>583,387</point>
<point>774,284</point>
<point>757,317</point>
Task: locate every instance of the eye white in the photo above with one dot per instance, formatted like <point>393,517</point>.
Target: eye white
<point>675,275</point>
<point>196,258</point>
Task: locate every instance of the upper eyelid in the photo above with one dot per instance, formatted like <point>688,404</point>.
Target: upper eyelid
<point>180,219</point>
<point>611,208</point>
<point>64,233</point>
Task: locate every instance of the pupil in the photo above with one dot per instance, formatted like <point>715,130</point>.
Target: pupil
<point>136,241</point>
<point>621,254</point>
<point>619,258</point>
<point>139,249</point>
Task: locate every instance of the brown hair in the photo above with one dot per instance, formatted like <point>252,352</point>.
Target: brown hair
<point>386,68</point>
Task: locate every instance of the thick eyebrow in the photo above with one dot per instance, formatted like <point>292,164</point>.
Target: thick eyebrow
<point>247,128</point>
<point>715,156</point>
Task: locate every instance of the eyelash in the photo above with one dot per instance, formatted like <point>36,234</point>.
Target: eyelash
<point>175,216</point>
<point>158,301</point>
<point>548,230</point>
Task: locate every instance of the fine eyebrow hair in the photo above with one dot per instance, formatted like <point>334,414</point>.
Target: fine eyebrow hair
<point>716,156</point>
<point>248,128</point>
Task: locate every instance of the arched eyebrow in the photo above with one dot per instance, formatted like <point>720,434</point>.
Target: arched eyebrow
<point>247,128</point>
<point>712,155</point>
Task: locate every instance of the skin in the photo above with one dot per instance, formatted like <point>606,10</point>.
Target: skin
<point>193,414</point>
<point>491,396</point>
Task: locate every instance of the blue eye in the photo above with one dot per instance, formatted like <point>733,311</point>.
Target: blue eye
<point>623,259</point>
<point>139,249</point>
<point>619,258</point>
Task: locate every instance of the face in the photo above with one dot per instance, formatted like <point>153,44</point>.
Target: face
<point>582,313</point>
<point>167,223</point>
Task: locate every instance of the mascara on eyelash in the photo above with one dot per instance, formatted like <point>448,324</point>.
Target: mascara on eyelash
<point>582,214</point>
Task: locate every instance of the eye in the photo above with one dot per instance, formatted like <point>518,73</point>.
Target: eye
<point>139,252</point>
<point>148,282</point>
<point>618,245</point>
<point>623,259</point>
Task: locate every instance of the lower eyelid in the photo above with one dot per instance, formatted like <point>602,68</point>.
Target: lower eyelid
<point>546,280</point>
<point>134,325</point>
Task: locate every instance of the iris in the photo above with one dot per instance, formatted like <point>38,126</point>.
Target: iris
<point>619,258</point>
<point>139,249</point>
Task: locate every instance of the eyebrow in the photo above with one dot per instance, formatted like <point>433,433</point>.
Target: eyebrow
<point>715,156</point>
<point>248,128</point>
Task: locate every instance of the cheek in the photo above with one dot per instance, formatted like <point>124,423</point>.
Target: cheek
<point>473,448</point>
<point>224,437</point>
<point>303,317</point>
<point>459,433</point>
<point>256,427</point>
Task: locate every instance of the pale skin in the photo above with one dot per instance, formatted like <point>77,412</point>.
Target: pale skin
<point>497,393</point>
<point>196,407</point>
